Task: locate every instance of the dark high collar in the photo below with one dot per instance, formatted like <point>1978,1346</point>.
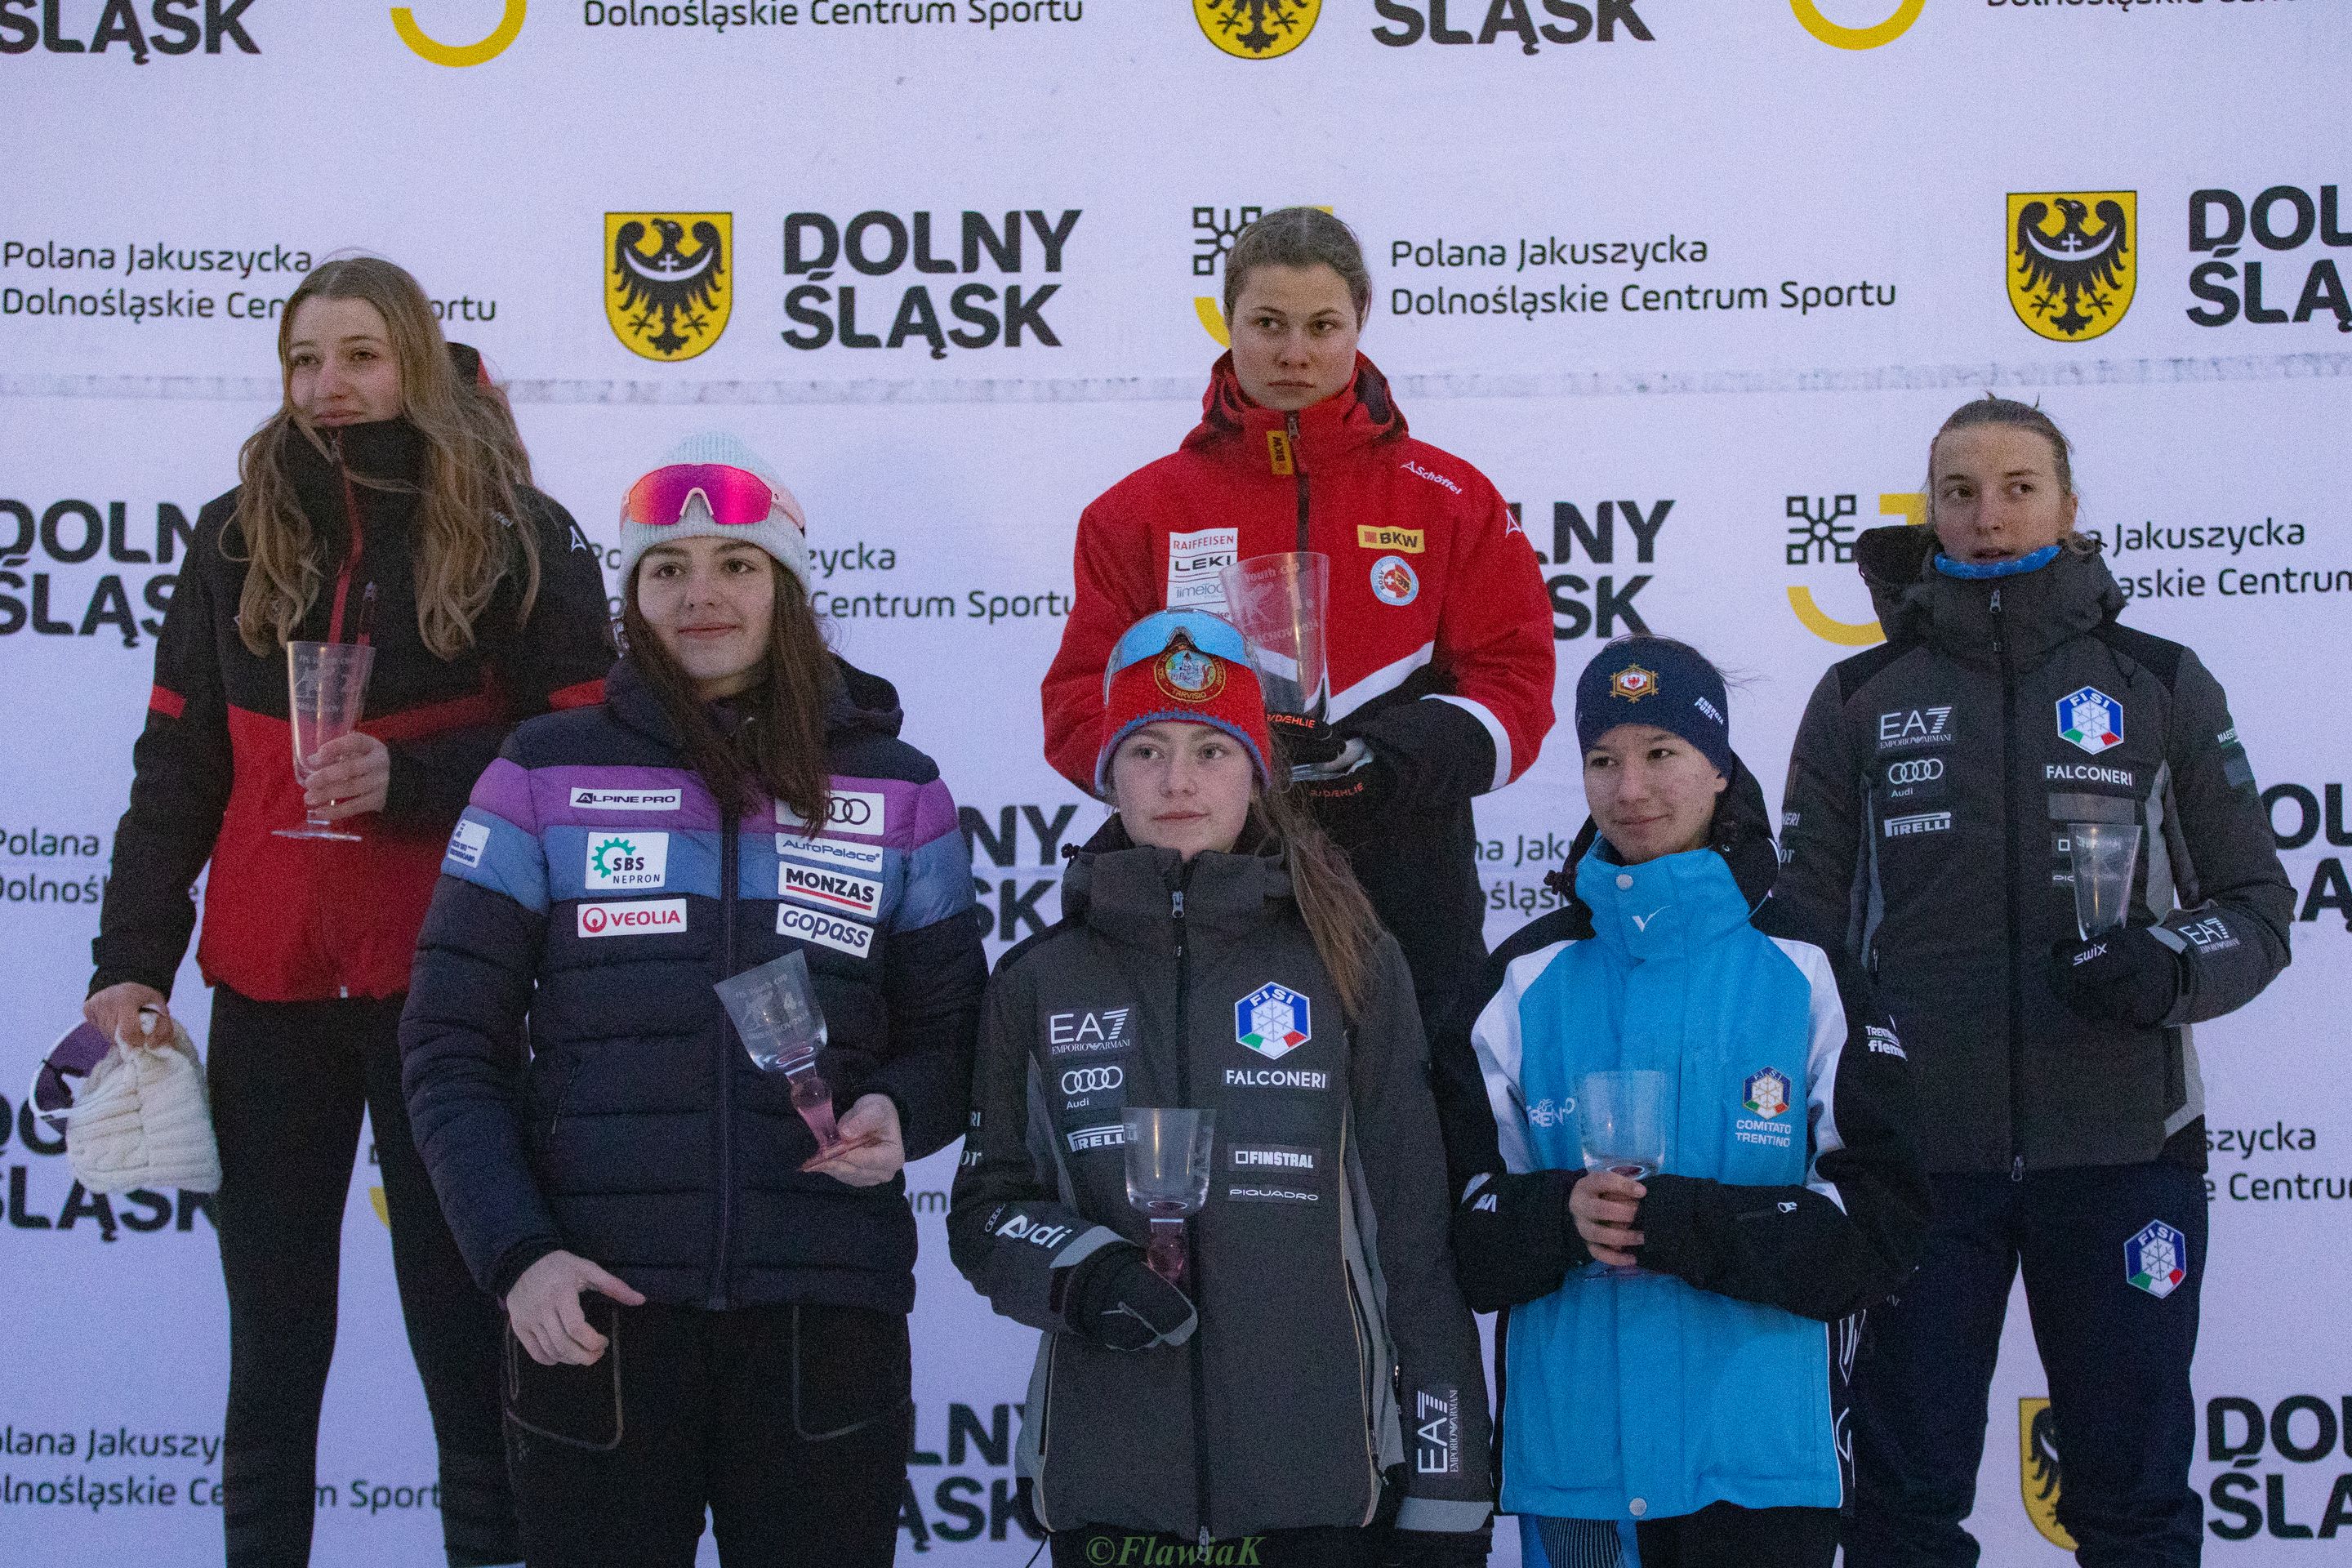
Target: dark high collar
<point>1741,837</point>
<point>2039,611</point>
<point>1126,891</point>
<point>1357,416</point>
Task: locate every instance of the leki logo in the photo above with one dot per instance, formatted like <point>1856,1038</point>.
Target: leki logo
<point>1822,530</point>
<point>668,285</point>
<point>1808,13</point>
<point>413,33</point>
<point>2072,260</point>
<point>1256,30</point>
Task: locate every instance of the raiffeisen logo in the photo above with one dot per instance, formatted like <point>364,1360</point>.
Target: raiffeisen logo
<point>1840,36</point>
<point>1821,533</point>
<point>87,28</point>
<point>457,55</point>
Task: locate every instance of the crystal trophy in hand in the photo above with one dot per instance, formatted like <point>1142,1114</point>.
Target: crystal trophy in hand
<point>1278,601</point>
<point>1168,1155</point>
<point>326,685</point>
<point>782,1027</point>
<point>1621,1119</point>
<point>2103,855</point>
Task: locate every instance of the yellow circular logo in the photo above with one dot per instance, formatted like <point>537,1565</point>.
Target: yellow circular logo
<point>509,28</point>
<point>1809,11</point>
<point>1184,674</point>
<point>1256,30</point>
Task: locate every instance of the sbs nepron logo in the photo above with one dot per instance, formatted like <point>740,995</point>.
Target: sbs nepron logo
<point>881,281</point>
<point>94,28</point>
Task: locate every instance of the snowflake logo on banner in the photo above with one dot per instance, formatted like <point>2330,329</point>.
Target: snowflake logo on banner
<point>1820,534</point>
<point>2156,1259</point>
<point>1214,229</point>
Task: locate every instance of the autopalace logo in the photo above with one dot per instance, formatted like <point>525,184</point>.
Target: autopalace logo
<point>883,244</point>
<point>2282,220</point>
<point>86,27</point>
<point>1821,531</point>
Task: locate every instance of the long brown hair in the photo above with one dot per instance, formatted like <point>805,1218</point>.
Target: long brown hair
<point>471,530</point>
<point>779,749</point>
<point>1339,917</point>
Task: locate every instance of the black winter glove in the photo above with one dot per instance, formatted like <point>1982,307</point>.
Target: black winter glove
<point>2125,974</point>
<point>1304,743</point>
<point>1434,1549</point>
<point>1515,1240</point>
<point>1116,1300</point>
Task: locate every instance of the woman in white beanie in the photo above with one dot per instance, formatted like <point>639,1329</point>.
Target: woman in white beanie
<point>704,1314</point>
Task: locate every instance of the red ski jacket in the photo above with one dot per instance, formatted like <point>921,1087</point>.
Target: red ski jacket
<point>1435,592</point>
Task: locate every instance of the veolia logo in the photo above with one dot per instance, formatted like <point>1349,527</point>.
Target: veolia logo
<point>509,28</point>
<point>1839,37</point>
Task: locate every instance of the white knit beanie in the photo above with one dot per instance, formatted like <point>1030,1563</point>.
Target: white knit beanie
<point>784,535</point>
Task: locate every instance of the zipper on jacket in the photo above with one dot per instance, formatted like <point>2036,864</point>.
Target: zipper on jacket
<point>728,879</point>
<point>1193,1241</point>
<point>2011,828</point>
<point>358,547</point>
<point>1290,428</point>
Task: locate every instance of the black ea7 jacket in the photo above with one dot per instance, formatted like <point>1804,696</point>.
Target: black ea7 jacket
<point>1335,1361</point>
<point>1924,830</point>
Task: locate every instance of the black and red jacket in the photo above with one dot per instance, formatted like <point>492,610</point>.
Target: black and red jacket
<point>293,920</point>
<point>1440,646</point>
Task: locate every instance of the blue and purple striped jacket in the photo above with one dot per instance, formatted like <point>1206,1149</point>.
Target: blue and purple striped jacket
<point>593,895</point>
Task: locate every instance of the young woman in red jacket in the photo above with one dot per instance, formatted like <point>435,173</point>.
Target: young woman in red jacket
<point>1440,638</point>
<point>386,501</point>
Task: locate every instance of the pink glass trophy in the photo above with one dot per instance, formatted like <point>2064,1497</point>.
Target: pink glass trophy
<point>782,1027</point>
<point>1168,1165</point>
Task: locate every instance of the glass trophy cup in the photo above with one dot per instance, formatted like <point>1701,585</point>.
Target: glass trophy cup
<point>2103,854</point>
<point>1620,1120</point>
<point>326,684</point>
<point>776,1016</point>
<point>1168,1165</point>
<point>1278,602</point>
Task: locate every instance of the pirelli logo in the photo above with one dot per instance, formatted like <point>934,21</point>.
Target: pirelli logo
<point>1919,822</point>
<point>1403,540</point>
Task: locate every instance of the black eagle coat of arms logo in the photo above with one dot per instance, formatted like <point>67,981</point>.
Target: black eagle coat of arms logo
<point>668,283</point>
<point>2072,260</point>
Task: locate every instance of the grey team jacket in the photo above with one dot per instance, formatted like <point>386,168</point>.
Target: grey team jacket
<point>1925,822</point>
<point>1334,1360</point>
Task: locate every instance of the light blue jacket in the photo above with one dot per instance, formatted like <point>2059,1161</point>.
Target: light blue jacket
<point>1651,1398</point>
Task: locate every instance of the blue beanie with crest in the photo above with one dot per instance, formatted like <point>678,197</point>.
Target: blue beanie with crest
<point>1660,682</point>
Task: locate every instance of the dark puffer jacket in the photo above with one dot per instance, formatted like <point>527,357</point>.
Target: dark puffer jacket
<point>595,886</point>
<point>1335,1362</point>
<point>1924,830</point>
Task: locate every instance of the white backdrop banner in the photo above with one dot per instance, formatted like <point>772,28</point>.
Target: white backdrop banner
<point>1694,282</point>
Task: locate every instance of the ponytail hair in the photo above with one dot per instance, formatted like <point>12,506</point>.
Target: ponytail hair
<point>1339,918</point>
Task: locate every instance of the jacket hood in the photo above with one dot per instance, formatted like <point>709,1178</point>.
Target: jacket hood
<point>858,702</point>
<point>1741,838</point>
<point>2040,610</point>
<point>1358,416</point>
<point>385,458</point>
<point>1124,890</point>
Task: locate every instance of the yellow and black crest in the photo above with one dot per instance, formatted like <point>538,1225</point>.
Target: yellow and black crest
<point>1257,29</point>
<point>2038,1469</point>
<point>668,280</point>
<point>2074,261</point>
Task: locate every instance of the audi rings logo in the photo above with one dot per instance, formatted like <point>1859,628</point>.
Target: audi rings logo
<point>1918,770</point>
<point>1092,1080</point>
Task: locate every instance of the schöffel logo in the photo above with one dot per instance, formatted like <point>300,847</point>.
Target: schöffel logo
<point>639,918</point>
<point>668,280</point>
<point>2074,261</point>
<point>881,245</point>
<point>1093,1081</point>
<point>1256,30</point>
<point>60,28</point>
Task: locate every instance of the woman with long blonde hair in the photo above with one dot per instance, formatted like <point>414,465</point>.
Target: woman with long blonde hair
<point>387,501</point>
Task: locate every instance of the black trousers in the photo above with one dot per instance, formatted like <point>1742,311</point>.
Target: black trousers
<point>1720,1535</point>
<point>289,1083</point>
<point>790,1424</point>
<point>2115,1347</point>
